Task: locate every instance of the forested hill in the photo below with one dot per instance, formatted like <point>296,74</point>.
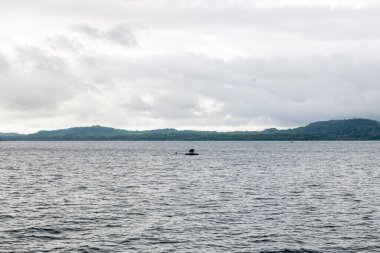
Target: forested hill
<point>351,129</point>
<point>341,129</point>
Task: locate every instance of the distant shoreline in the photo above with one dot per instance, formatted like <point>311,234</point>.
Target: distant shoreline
<point>340,140</point>
<point>333,130</point>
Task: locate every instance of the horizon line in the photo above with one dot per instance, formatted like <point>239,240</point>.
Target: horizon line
<point>181,129</point>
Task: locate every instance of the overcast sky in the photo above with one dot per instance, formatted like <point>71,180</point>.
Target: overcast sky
<point>187,64</point>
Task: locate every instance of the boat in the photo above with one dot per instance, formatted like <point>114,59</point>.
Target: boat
<point>191,152</point>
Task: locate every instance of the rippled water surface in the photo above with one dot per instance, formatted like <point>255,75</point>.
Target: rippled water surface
<point>233,197</point>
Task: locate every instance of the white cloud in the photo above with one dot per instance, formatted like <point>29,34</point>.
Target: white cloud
<point>187,64</point>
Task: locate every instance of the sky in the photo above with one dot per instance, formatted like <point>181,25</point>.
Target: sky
<point>187,64</point>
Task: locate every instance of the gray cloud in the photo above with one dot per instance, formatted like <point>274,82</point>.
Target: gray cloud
<point>137,103</point>
<point>3,62</point>
<point>120,34</point>
<point>196,64</point>
<point>290,91</point>
<point>62,42</point>
<point>209,92</point>
<point>36,80</point>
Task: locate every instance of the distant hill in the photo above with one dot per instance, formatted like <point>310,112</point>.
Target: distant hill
<point>350,129</point>
<point>78,133</point>
<point>9,134</point>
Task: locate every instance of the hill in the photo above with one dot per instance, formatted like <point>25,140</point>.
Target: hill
<point>351,129</point>
<point>78,133</point>
<point>9,135</point>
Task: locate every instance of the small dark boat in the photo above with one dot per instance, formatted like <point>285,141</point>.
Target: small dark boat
<point>191,152</point>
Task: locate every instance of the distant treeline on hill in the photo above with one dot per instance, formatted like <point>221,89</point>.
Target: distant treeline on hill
<point>350,129</point>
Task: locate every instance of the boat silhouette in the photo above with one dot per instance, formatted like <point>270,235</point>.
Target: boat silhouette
<point>191,152</point>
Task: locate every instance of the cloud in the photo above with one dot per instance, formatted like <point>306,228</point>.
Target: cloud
<point>290,91</point>
<point>36,80</point>
<point>188,64</point>
<point>62,42</point>
<point>137,103</point>
<point>183,90</point>
<point>3,62</point>
<point>120,34</point>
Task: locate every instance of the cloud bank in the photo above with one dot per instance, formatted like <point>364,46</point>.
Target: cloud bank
<point>223,65</point>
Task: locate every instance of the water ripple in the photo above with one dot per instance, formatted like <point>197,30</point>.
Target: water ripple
<point>235,197</point>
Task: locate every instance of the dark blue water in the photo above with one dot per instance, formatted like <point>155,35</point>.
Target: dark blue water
<point>233,197</point>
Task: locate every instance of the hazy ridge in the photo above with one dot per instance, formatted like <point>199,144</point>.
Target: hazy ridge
<point>349,129</point>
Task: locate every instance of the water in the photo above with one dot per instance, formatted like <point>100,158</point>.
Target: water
<point>233,197</point>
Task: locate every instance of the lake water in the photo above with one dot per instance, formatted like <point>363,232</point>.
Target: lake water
<point>233,197</point>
